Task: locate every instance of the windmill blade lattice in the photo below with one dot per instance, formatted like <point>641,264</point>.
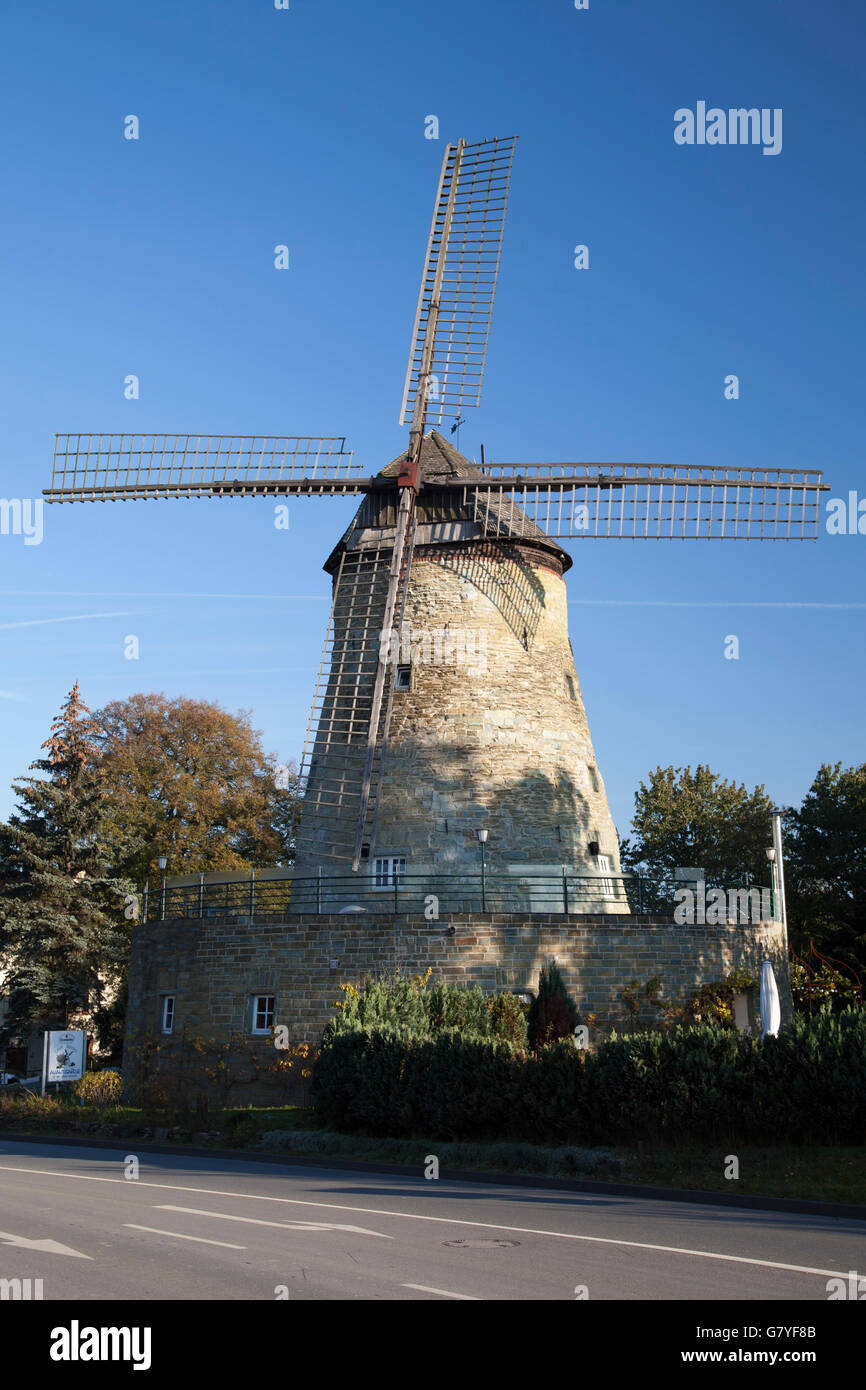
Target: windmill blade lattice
<point>114,467</point>
<point>459,280</point>
<point>647,501</point>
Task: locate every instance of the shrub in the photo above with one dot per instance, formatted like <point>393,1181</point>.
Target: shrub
<point>813,989</point>
<point>102,1088</point>
<point>509,1018</point>
<point>410,1007</point>
<point>552,1094</point>
<point>553,1013</point>
<point>456,1087</point>
<point>355,1081</point>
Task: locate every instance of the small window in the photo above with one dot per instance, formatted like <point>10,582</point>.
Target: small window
<point>403,677</point>
<point>168,1013</point>
<point>603,862</point>
<point>264,1010</point>
<point>593,776</point>
<point>388,870</point>
<point>569,685</point>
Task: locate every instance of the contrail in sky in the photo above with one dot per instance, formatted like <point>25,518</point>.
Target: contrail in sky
<point>74,618</point>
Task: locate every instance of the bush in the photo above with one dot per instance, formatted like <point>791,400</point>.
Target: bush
<point>355,1081</point>
<point>552,1094</point>
<point>553,1014</point>
<point>410,1007</point>
<point>456,1087</point>
<point>102,1088</point>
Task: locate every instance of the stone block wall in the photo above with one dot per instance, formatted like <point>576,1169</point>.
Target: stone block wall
<point>213,967</point>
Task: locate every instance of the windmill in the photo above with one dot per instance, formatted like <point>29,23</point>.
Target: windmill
<point>394,764</point>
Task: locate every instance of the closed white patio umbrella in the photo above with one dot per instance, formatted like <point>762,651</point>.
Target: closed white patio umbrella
<point>771,1010</point>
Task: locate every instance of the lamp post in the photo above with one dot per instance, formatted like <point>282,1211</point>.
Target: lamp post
<point>780,867</point>
<point>162,861</point>
<point>482,840</point>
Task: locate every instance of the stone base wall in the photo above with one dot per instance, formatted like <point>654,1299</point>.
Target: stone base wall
<point>213,967</point>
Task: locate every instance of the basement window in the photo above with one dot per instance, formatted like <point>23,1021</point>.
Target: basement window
<point>388,870</point>
<point>167,1013</point>
<point>404,677</point>
<point>264,1008</point>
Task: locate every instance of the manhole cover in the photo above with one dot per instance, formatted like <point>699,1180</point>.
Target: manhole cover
<point>481,1244</point>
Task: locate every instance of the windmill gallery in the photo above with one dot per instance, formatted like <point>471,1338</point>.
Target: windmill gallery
<point>472,784</point>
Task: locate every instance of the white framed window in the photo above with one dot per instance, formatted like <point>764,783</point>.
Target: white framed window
<point>263,1012</point>
<point>603,862</point>
<point>388,870</point>
<point>168,1013</point>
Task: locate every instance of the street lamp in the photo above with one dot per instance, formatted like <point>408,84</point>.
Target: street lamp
<point>482,840</point>
<point>162,861</point>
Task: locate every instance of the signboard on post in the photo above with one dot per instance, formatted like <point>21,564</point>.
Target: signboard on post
<point>65,1056</point>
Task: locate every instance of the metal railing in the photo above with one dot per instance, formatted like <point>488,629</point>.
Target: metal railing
<point>434,896</point>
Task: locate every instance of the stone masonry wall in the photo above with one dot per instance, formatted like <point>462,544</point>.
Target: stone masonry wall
<point>213,967</point>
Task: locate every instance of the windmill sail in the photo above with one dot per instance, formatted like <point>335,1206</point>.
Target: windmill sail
<point>647,501</point>
<point>114,467</point>
<point>452,321</point>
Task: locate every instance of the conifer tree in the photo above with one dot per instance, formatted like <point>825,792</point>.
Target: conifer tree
<point>553,1014</point>
<point>64,937</point>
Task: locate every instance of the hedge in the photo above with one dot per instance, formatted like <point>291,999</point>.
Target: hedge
<point>807,1084</point>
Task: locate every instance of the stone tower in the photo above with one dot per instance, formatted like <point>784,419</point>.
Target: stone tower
<point>488,727</point>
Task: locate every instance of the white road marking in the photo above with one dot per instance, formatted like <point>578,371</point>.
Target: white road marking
<point>444,1293</point>
<point>48,1247</point>
<point>178,1236</point>
<point>281,1225</point>
<point>442,1220</point>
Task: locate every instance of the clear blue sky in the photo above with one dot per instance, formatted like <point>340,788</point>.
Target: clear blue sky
<point>306,127</point>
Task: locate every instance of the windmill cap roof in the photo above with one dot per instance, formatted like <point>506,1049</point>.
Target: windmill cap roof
<point>440,461</point>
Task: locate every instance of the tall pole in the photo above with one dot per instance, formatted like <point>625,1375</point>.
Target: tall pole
<point>482,836</point>
<point>779,867</point>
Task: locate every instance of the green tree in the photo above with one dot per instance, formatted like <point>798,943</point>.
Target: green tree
<point>686,819</point>
<point>285,817</point>
<point>825,866</point>
<point>64,936</point>
<point>188,780</point>
<point>553,1013</point>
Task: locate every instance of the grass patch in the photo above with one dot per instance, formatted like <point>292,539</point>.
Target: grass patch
<point>823,1174</point>
<point>64,1115</point>
<point>818,1174</point>
<point>565,1162</point>
<point>836,1174</point>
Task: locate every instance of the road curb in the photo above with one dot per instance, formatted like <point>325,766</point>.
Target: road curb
<point>844,1210</point>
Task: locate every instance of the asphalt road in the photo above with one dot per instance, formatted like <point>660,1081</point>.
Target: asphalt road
<point>200,1228</point>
